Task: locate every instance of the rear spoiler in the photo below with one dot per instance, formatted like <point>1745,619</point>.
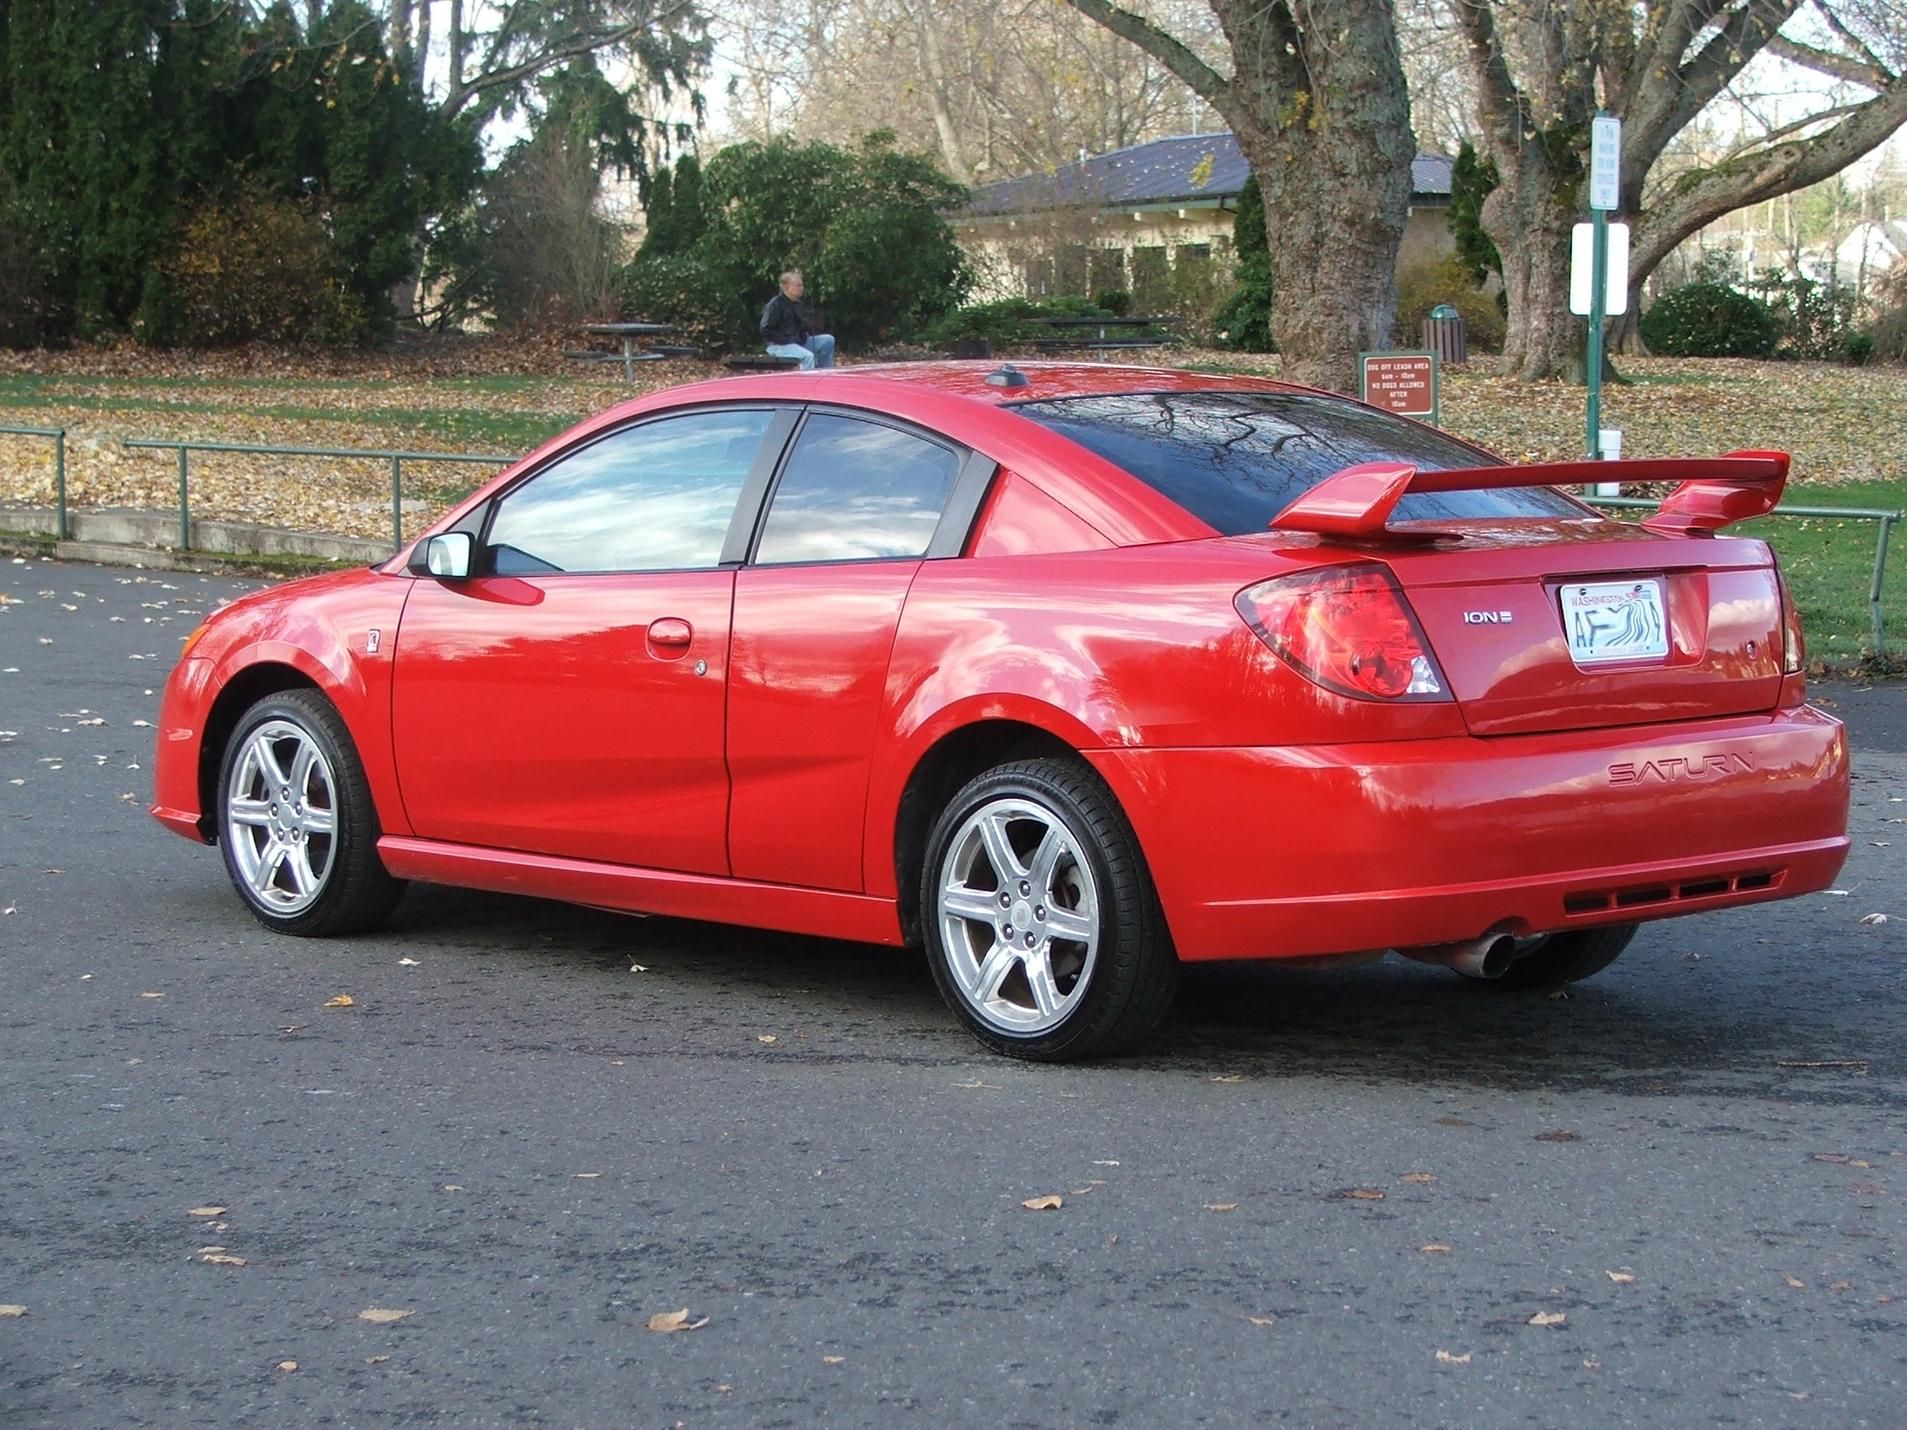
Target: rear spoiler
<point>1713,491</point>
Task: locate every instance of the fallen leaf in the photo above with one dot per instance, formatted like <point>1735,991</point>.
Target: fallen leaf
<point>587,1176</point>
<point>407,963</point>
<point>142,995</point>
<point>343,1000</point>
<point>1420,1178</point>
<point>205,1211</point>
<point>1221,1206</point>
<point>1435,1248</point>
<point>1445,1358</point>
<point>1796,1282</point>
<point>663,1322</point>
<point>1875,919</point>
<point>1621,1278</point>
<point>1842,1286</point>
<point>1365,1194</point>
<point>1050,1203</point>
<point>1836,1157</point>
<point>1549,1318</point>
<point>766,1038</point>
<point>638,968</point>
<point>1229,1077</point>
<point>453,1186</point>
<point>1103,1162</point>
<point>382,1315</point>
<point>286,1365</point>
<point>833,1360</point>
<point>375,1360</point>
<point>11,1312</point>
<point>1263,1320</point>
<point>1559,1136</point>
<point>219,1258</point>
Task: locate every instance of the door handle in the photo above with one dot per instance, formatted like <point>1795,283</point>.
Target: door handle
<point>670,636</point>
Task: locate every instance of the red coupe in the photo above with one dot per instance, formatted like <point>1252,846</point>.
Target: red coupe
<point>1067,673</point>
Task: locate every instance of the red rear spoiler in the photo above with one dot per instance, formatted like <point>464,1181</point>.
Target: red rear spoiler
<point>1713,491</point>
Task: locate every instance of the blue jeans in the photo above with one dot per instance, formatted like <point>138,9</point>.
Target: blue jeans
<point>819,351</point>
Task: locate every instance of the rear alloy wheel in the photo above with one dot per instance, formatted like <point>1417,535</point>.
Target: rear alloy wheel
<point>296,820</point>
<point>1566,958</point>
<point>1042,926</point>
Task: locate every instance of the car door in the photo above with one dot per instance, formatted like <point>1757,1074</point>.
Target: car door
<point>569,698</point>
<point>858,503</point>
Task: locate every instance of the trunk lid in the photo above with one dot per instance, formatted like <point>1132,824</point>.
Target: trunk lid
<point>1571,624</point>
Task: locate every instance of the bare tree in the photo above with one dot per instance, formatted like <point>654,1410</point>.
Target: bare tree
<point>1541,69</point>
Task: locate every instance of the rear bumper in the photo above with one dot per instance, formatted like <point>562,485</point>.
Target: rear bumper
<point>1285,852</point>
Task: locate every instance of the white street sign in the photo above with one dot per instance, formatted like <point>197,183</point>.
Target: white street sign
<point>1582,265</point>
<point>1605,163</point>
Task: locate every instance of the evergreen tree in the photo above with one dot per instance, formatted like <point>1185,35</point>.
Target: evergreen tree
<point>1471,181</point>
<point>1244,319</point>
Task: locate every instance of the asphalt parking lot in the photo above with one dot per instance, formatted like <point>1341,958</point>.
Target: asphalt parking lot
<point>1369,1197</point>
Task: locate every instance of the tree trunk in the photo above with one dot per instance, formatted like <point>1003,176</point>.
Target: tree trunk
<point>1327,132</point>
<point>1318,102</point>
<point>1530,222</point>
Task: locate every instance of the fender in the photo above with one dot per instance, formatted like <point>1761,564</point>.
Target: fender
<point>328,642</point>
<point>919,730</point>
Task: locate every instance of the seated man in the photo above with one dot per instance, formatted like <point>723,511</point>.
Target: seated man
<point>785,327</point>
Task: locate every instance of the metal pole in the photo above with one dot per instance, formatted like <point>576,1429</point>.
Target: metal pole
<point>185,509</point>
<point>1880,573</point>
<point>1598,281</point>
<point>397,502</point>
<point>60,530</point>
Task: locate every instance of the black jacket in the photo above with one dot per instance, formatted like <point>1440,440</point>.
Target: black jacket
<point>785,320</point>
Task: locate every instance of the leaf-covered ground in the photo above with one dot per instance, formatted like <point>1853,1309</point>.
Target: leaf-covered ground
<point>1847,430</point>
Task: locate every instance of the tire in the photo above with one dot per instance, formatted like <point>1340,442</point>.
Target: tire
<point>1567,958</point>
<point>1006,969</point>
<point>296,821</point>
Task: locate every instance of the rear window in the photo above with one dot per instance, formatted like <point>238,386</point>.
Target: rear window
<point>1237,459</point>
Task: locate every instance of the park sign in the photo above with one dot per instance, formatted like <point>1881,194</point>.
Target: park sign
<point>1400,382</point>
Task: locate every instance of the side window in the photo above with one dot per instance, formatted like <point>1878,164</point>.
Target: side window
<point>656,497</point>
<point>856,491</point>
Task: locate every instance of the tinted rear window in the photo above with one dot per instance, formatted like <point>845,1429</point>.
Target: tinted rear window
<point>1237,459</point>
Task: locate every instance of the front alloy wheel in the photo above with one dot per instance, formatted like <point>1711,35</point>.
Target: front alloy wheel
<point>297,822</point>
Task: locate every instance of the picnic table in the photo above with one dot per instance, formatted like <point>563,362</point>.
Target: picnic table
<point>1101,342</point>
<point>633,351</point>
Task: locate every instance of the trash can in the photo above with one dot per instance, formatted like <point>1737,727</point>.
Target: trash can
<point>1444,335</point>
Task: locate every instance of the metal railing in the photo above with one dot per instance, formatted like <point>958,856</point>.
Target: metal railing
<point>396,459</point>
<point>1838,513</point>
<point>58,436</point>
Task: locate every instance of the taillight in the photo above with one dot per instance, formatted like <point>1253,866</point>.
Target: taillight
<point>1349,629</point>
<point>1794,653</point>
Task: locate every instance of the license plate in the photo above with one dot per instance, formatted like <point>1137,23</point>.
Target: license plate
<point>1614,620</point>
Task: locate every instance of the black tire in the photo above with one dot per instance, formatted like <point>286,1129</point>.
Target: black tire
<point>1110,993</point>
<point>1566,958</point>
<point>324,883</point>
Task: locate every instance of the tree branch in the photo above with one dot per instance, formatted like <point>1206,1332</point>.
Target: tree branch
<point>1667,107</point>
<point>1502,104</point>
<point>1201,78</point>
<point>1698,199</point>
<point>1826,62</point>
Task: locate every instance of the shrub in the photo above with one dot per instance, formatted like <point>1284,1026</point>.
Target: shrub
<point>1813,320</point>
<point>1889,332</point>
<point>1709,320</point>
<point>1242,322</point>
<point>1003,323</point>
<point>1117,301</point>
<point>258,267</point>
<point>685,291</point>
<point>1425,284</point>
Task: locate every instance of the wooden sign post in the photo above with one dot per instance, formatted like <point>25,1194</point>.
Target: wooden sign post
<point>1404,383</point>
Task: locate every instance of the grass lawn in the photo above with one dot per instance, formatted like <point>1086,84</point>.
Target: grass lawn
<point>1847,430</point>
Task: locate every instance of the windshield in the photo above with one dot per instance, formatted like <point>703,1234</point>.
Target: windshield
<point>1237,459</point>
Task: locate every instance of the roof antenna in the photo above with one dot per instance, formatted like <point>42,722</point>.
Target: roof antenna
<point>1007,375</point>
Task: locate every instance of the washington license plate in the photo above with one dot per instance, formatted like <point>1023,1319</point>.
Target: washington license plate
<point>1615,620</point>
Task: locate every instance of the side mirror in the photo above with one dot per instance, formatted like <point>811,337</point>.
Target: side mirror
<point>447,557</point>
